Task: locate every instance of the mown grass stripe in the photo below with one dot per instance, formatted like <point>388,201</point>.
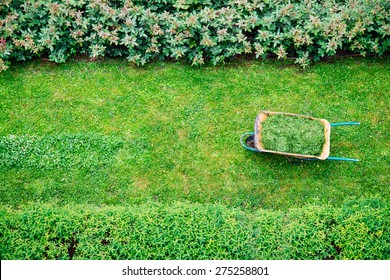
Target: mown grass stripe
<point>58,151</point>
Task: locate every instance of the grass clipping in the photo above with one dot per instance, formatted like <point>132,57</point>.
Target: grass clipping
<point>293,134</point>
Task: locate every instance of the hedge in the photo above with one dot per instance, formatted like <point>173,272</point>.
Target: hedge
<point>197,31</point>
<point>357,230</point>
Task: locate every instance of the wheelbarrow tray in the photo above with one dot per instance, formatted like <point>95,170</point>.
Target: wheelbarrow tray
<point>258,137</point>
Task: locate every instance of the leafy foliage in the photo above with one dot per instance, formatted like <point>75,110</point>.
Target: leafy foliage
<point>197,31</point>
<point>360,230</point>
<point>292,134</point>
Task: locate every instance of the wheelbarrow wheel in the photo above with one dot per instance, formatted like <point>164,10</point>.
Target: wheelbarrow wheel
<point>250,141</point>
<point>247,140</point>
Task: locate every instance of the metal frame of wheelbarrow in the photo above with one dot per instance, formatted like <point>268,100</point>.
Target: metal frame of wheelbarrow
<point>259,147</point>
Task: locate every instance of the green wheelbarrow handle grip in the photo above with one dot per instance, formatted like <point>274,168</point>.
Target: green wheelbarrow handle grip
<point>343,159</point>
<point>344,123</point>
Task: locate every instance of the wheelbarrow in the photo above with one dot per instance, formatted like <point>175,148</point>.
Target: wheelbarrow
<point>253,140</point>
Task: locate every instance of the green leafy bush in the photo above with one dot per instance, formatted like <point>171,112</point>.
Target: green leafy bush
<point>293,134</point>
<point>197,31</point>
<point>359,230</point>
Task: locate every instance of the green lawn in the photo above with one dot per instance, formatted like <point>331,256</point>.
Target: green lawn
<point>88,148</point>
<point>169,132</point>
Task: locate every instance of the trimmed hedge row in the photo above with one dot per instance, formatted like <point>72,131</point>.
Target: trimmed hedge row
<point>195,30</point>
<point>358,230</point>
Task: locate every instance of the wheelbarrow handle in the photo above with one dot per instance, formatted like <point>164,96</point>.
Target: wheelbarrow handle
<point>345,123</point>
<point>242,141</point>
<point>340,158</point>
<point>343,159</point>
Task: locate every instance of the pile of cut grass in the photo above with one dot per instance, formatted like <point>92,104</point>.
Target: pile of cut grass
<point>292,134</point>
